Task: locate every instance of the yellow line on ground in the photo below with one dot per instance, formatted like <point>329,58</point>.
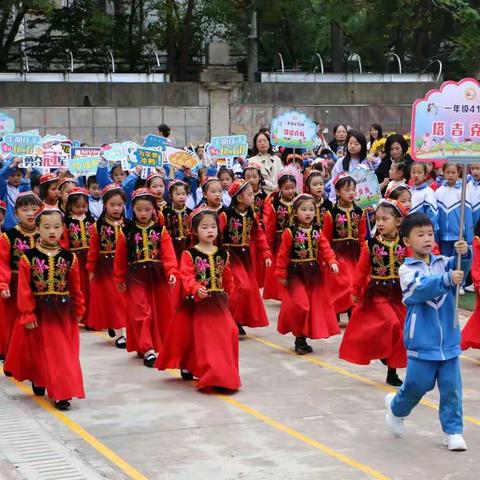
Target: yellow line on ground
<point>347,373</point>
<point>469,359</point>
<point>297,435</point>
<point>130,471</point>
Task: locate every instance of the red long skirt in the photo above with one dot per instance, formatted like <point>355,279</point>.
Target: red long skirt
<point>375,332</point>
<point>8,315</point>
<point>84,280</point>
<point>108,307</point>
<point>150,309</point>
<point>258,264</point>
<point>306,308</point>
<point>48,355</point>
<point>203,338</point>
<point>471,330</point>
<point>245,302</point>
<point>272,289</point>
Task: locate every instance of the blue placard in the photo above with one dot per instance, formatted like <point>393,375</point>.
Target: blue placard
<point>147,157</point>
<point>22,144</point>
<point>155,141</point>
<point>84,160</point>
<point>7,124</point>
<point>230,146</point>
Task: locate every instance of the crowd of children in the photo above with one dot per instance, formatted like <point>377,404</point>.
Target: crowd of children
<point>173,266</point>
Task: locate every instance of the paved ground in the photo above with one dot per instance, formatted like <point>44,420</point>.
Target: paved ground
<point>311,417</point>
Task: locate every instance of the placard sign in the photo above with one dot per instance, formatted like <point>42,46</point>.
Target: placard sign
<point>7,124</point>
<point>230,146</point>
<point>446,123</point>
<point>293,129</point>
<point>84,160</point>
<point>155,141</point>
<point>368,190</point>
<point>22,144</point>
<point>146,157</point>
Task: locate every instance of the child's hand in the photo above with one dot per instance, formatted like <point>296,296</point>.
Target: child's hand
<point>15,162</point>
<point>31,325</point>
<point>461,247</point>
<point>138,170</point>
<point>78,319</point>
<point>28,173</point>
<point>334,268</point>
<point>122,287</point>
<point>172,280</point>
<point>283,281</point>
<point>354,299</point>
<point>202,293</point>
<point>268,262</point>
<point>5,294</point>
<point>457,277</point>
<point>91,276</point>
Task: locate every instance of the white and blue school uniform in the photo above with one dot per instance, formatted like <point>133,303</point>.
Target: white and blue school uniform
<point>432,338</point>
<point>95,206</point>
<point>424,201</point>
<point>448,202</point>
<point>473,191</point>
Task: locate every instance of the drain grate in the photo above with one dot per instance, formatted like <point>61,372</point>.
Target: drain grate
<point>33,451</point>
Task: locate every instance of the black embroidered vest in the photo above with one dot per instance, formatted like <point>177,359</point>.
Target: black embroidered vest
<point>209,268</point>
<point>20,242</point>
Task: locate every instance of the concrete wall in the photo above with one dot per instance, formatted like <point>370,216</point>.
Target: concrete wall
<point>195,111</point>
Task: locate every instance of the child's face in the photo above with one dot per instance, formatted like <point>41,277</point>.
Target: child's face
<point>226,180</point>
<point>288,190</point>
<point>118,175</point>
<point>66,188</point>
<point>26,215</point>
<point>94,190</point>
<point>405,199</point>
<point>2,217</point>
<point>207,229</point>
<point>305,213</point>
<point>387,223</point>
<point>475,170</point>
<point>50,228</point>
<point>429,168</point>
<point>347,193</point>
<point>396,152</point>
<point>451,174</point>
<point>394,173</point>
<point>213,194</point>
<point>354,147</point>
<point>143,210</point>
<point>317,186</point>
<point>246,198</point>
<point>417,174</point>
<point>114,207</point>
<point>53,193</point>
<point>16,179</point>
<point>252,177</point>
<point>79,207</point>
<point>158,188</point>
<point>179,196</point>
<point>421,240</point>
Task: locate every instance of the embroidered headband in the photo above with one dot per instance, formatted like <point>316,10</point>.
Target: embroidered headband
<point>45,210</point>
<point>178,182</point>
<point>110,188</point>
<point>143,192</point>
<point>254,165</point>
<point>208,180</point>
<point>237,187</point>
<point>78,191</point>
<point>308,173</point>
<point>65,180</point>
<point>200,209</point>
<point>392,203</point>
<point>47,178</point>
<point>301,197</point>
<point>285,173</point>
<point>3,206</point>
<point>341,176</point>
<point>155,175</point>
<point>293,157</point>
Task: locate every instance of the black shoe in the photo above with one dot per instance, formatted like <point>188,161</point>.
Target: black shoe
<point>241,330</point>
<point>149,360</point>
<point>121,342</point>
<point>384,361</point>
<point>186,374</point>
<point>2,357</point>
<point>90,329</point>
<point>308,348</point>
<point>62,405</point>
<point>7,374</point>
<point>393,379</point>
<point>301,346</point>
<point>38,391</point>
<point>111,333</point>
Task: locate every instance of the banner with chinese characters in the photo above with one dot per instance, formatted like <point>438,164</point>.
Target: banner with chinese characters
<point>293,129</point>
<point>22,144</point>
<point>368,190</point>
<point>146,157</point>
<point>230,146</point>
<point>446,123</point>
<point>84,160</point>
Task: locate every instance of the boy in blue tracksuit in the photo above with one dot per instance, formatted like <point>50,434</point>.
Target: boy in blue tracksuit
<point>432,333</point>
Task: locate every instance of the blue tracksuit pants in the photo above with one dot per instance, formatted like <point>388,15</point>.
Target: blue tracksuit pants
<point>420,379</point>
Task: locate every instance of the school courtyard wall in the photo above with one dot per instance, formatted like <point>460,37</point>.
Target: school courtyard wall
<point>98,113</point>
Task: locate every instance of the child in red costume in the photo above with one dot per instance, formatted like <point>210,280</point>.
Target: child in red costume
<point>345,228</point>
<point>145,268</point>
<point>13,244</point>
<point>156,183</point>
<point>241,231</point>
<point>314,184</point>
<point>45,345</point>
<point>104,235</point>
<point>375,330</point>
<point>306,310</point>
<point>203,338</point>
<point>276,217</point>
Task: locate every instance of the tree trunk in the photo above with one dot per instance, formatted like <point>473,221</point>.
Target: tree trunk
<point>171,35</point>
<point>185,41</point>
<point>10,37</point>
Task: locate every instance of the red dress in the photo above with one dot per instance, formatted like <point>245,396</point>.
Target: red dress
<point>241,231</point>
<point>471,330</point>
<point>345,229</point>
<point>49,293</point>
<point>13,244</point>
<point>76,238</point>
<point>203,337</point>
<point>103,243</point>
<point>307,310</point>
<point>276,217</point>
<point>144,259</point>
<point>375,329</point>
<point>257,255</point>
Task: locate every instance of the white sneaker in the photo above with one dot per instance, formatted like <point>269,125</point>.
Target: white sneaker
<point>455,442</point>
<point>393,423</point>
<point>470,288</point>
<point>462,291</point>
